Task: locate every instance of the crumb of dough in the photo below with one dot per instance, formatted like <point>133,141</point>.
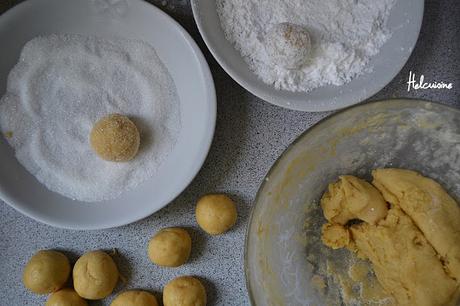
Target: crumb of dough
<point>335,236</point>
<point>405,263</point>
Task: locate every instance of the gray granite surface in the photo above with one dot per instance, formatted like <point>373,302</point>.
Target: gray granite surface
<point>250,135</point>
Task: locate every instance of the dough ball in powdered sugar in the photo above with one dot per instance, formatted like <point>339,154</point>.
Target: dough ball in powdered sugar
<point>288,45</point>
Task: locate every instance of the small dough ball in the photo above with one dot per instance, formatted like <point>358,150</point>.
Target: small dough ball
<point>288,45</point>
<point>46,272</point>
<point>170,247</point>
<point>95,275</point>
<point>65,297</point>
<point>216,213</point>
<point>184,291</point>
<point>115,138</point>
<point>335,236</point>
<point>135,298</point>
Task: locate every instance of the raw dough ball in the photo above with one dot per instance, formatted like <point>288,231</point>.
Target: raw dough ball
<point>170,247</point>
<point>46,272</point>
<point>135,298</point>
<point>95,275</point>
<point>115,138</point>
<point>216,213</point>
<point>65,297</point>
<point>288,45</point>
<point>184,291</point>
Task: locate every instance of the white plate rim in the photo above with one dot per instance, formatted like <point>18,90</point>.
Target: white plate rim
<point>293,102</point>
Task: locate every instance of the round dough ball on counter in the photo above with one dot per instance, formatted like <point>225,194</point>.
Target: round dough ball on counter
<point>95,275</point>
<point>115,138</point>
<point>288,45</point>
<point>215,213</point>
<point>170,247</point>
<point>46,272</point>
<point>135,298</point>
<point>184,291</point>
<point>65,297</point>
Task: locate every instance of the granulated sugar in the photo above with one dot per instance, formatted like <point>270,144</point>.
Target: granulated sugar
<point>345,34</point>
<point>61,86</point>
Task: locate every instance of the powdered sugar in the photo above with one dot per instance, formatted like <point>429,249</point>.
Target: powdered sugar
<point>345,34</point>
<point>61,86</point>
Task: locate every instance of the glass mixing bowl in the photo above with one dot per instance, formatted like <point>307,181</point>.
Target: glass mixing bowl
<point>283,249</point>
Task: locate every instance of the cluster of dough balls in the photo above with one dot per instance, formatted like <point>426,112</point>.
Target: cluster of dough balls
<point>95,275</point>
<point>115,138</point>
<point>171,247</point>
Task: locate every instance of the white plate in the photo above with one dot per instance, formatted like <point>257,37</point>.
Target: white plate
<point>134,19</point>
<point>404,22</point>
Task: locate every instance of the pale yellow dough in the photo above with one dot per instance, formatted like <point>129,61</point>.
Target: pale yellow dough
<point>65,297</point>
<point>184,291</point>
<point>215,213</point>
<point>335,236</point>
<point>46,272</point>
<point>135,298</point>
<point>431,208</point>
<point>414,247</point>
<point>406,265</point>
<point>353,198</point>
<point>95,275</point>
<point>170,247</point>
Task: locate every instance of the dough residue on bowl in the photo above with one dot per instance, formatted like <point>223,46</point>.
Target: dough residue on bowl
<point>61,86</point>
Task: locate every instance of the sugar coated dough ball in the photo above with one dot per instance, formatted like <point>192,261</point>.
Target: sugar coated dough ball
<point>184,291</point>
<point>288,45</point>
<point>170,247</point>
<point>95,275</point>
<point>65,297</point>
<point>115,138</point>
<point>46,272</point>
<point>215,213</point>
<point>135,298</point>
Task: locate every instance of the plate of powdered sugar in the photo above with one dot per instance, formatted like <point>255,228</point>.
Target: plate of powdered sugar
<point>310,55</point>
<point>107,111</point>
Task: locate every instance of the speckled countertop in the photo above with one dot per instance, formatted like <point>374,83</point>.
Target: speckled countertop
<point>250,135</point>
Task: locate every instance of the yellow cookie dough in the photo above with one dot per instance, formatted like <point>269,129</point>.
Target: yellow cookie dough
<point>135,298</point>
<point>184,291</point>
<point>115,138</point>
<point>95,275</point>
<point>405,263</point>
<point>335,236</point>
<point>46,272</point>
<point>170,247</point>
<point>435,213</point>
<point>414,247</point>
<point>353,198</point>
<point>65,297</point>
<point>215,213</point>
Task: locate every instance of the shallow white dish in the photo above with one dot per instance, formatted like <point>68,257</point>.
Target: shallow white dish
<point>133,19</point>
<point>404,22</point>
